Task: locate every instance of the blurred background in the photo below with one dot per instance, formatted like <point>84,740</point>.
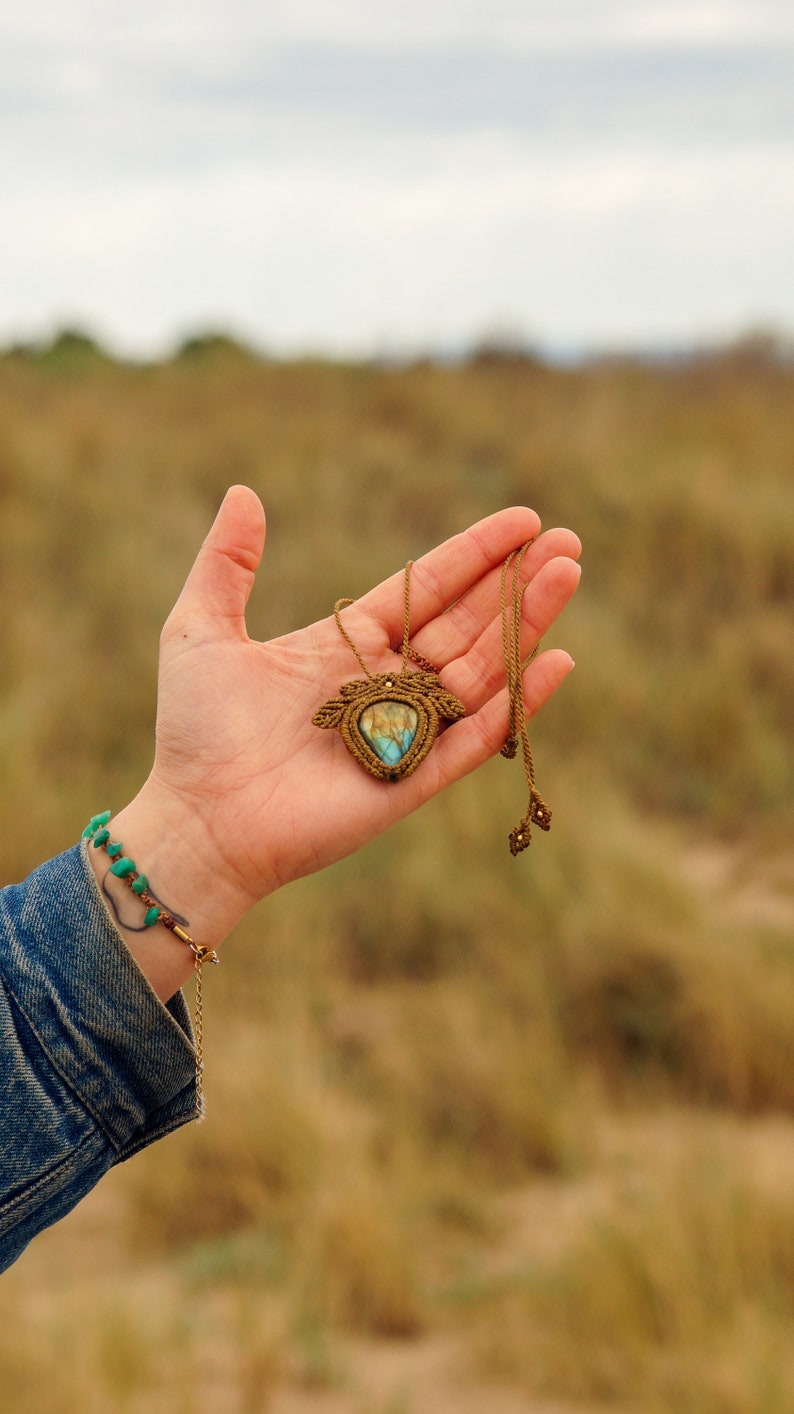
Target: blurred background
<point>485,1135</point>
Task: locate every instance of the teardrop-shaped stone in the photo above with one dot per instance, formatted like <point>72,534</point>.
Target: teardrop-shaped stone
<point>389,728</point>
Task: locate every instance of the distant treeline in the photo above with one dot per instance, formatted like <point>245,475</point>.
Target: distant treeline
<point>73,348</point>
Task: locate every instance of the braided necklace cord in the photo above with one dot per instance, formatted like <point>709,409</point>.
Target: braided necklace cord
<point>406,651</point>
<point>339,605</point>
<point>537,812</point>
<point>332,713</point>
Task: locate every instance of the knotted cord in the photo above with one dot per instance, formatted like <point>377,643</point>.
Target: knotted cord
<point>538,812</point>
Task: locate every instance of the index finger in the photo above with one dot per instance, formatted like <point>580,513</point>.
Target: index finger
<point>439,578</point>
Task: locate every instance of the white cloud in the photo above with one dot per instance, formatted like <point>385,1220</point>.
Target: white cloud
<point>173,28</point>
<point>350,175</point>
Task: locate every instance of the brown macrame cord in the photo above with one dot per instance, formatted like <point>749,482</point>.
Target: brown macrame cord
<point>537,812</point>
<point>422,692</point>
<point>407,651</point>
<point>389,721</point>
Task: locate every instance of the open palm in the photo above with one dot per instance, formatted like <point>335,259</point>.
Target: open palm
<point>274,796</point>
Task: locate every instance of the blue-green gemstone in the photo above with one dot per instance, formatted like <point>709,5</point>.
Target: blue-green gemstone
<point>151,917</point>
<point>101,837</point>
<point>140,885</point>
<point>389,728</point>
<point>94,824</point>
<point>115,848</point>
<point>122,867</point>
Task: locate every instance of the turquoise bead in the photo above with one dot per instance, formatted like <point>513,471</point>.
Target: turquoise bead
<point>94,823</point>
<point>151,917</point>
<point>389,728</point>
<point>123,867</point>
<point>140,885</point>
<point>101,837</point>
<point>115,848</point>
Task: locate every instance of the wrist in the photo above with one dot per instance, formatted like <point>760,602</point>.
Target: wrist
<point>175,849</point>
<point>183,875</point>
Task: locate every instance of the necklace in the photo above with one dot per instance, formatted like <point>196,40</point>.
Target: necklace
<point>389,721</point>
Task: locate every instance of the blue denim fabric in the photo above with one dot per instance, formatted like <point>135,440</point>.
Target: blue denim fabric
<point>93,1066</point>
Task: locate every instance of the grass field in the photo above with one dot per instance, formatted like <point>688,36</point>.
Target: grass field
<point>484,1134</point>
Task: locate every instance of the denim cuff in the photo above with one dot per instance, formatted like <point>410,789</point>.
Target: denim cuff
<point>127,1058</point>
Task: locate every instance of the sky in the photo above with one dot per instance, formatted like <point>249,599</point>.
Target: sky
<point>360,178</point>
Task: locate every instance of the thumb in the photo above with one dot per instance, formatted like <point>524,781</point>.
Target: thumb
<point>217,587</point>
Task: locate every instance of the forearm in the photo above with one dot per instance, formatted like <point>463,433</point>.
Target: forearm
<point>92,1065</point>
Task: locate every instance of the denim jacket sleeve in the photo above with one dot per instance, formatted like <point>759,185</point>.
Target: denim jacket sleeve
<point>93,1066</point>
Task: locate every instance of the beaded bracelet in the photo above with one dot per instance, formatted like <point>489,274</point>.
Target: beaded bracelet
<point>126,869</point>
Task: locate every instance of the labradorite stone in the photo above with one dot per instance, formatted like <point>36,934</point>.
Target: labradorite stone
<point>389,728</point>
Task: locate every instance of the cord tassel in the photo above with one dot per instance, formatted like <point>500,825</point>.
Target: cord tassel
<point>537,812</point>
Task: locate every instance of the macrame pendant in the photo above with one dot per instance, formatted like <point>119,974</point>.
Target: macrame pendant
<point>389,723</point>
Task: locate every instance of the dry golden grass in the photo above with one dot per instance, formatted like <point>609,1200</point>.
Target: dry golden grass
<point>503,1110</point>
<point>674,1292</point>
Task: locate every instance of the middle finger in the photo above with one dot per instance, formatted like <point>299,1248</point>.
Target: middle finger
<point>454,633</point>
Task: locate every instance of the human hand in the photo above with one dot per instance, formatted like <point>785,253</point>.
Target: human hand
<point>246,794</point>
